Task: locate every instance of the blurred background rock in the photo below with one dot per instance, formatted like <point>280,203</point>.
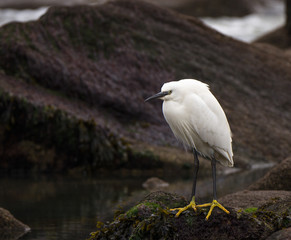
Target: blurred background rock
<point>198,8</point>
<point>241,19</point>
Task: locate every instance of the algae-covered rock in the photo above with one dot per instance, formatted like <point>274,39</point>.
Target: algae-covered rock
<point>10,227</point>
<point>151,219</point>
<point>45,138</point>
<point>73,85</point>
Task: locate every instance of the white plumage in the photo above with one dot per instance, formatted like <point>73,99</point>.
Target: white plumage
<point>197,119</point>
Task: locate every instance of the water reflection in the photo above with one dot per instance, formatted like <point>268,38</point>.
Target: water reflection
<point>67,208</point>
<point>63,208</point>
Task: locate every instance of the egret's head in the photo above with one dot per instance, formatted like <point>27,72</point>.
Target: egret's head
<point>177,90</point>
<point>169,91</point>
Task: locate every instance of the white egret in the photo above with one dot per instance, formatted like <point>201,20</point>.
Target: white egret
<point>199,122</point>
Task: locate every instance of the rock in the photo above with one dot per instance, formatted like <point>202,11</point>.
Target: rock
<point>11,228</point>
<point>245,199</point>
<point>284,234</point>
<point>271,49</point>
<point>279,38</point>
<point>195,8</point>
<point>155,183</point>
<point>278,178</point>
<point>218,8</point>
<point>73,85</point>
<point>151,219</point>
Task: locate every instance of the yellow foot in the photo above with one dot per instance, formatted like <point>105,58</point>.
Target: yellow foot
<point>212,205</point>
<point>192,204</point>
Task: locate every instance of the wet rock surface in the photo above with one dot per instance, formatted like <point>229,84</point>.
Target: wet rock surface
<point>73,86</point>
<point>283,234</point>
<point>244,199</point>
<point>11,228</point>
<point>155,183</point>
<point>151,219</point>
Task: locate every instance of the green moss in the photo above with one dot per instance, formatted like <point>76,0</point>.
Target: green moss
<point>132,212</point>
<point>251,210</point>
<point>152,205</point>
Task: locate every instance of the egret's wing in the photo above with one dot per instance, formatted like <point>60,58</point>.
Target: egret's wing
<point>210,123</point>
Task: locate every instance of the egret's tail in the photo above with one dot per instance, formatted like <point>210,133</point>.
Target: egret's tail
<point>224,157</point>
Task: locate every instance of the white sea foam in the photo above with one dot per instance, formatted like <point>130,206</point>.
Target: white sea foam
<point>250,27</point>
<point>24,15</point>
<point>246,28</point>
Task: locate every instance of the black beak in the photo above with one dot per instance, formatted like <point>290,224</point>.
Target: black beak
<point>158,95</point>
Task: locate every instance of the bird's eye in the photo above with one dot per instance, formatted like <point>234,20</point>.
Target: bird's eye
<point>169,92</point>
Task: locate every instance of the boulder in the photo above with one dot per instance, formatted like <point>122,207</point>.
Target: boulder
<point>154,183</point>
<point>278,178</point>
<point>283,234</point>
<point>191,7</point>
<point>221,8</point>
<point>73,85</point>
<point>246,198</point>
<point>279,38</point>
<point>10,227</point>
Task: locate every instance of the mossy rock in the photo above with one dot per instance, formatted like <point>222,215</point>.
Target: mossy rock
<point>101,62</point>
<point>30,132</point>
<point>152,219</point>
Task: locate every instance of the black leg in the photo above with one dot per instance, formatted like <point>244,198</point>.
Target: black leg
<point>213,164</point>
<point>196,168</point>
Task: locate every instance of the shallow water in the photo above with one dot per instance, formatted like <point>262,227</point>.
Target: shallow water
<point>67,208</point>
<point>63,207</point>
